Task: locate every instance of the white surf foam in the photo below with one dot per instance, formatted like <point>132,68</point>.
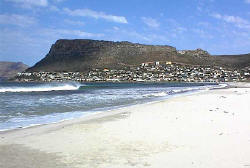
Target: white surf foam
<point>157,94</point>
<point>43,87</point>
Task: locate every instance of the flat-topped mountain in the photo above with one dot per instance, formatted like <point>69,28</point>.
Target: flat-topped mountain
<point>83,55</point>
<point>10,69</point>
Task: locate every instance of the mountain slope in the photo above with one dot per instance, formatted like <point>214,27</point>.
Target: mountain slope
<point>83,55</point>
<point>10,69</point>
<point>234,61</point>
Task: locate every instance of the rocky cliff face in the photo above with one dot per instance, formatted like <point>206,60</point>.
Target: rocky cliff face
<point>83,55</point>
<point>10,69</point>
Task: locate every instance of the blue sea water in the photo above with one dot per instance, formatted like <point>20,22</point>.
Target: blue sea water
<point>26,104</point>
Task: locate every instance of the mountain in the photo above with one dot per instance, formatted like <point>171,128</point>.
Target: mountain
<point>234,61</point>
<point>10,69</point>
<point>84,54</point>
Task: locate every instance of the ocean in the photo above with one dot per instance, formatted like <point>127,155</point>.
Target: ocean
<point>28,104</point>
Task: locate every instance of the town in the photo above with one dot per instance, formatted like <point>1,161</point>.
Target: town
<point>146,72</point>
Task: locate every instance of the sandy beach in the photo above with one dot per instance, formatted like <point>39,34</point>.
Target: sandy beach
<point>210,129</point>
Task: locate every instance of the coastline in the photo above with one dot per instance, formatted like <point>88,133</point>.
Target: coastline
<point>146,135</point>
<point>110,111</point>
<point>149,98</point>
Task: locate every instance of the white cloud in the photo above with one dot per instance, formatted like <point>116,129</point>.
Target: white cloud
<point>19,20</point>
<point>247,1</point>
<point>73,22</point>
<point>236,20</point>
<point>30,3</point>
<point>153,23</point>
<point>66,32</point>
<point>78,33</point>
<point>95,14</point>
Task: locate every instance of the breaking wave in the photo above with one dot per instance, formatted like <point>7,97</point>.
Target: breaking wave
<point>42,87</point>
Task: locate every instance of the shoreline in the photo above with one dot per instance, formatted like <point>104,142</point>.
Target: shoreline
<point>212,125</point>
<point>121,107</point>
<point>103,113</point>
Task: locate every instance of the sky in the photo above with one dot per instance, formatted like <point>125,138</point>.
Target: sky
<point>28,28</point>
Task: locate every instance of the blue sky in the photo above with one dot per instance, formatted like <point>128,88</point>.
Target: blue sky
<point>29,27</point>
